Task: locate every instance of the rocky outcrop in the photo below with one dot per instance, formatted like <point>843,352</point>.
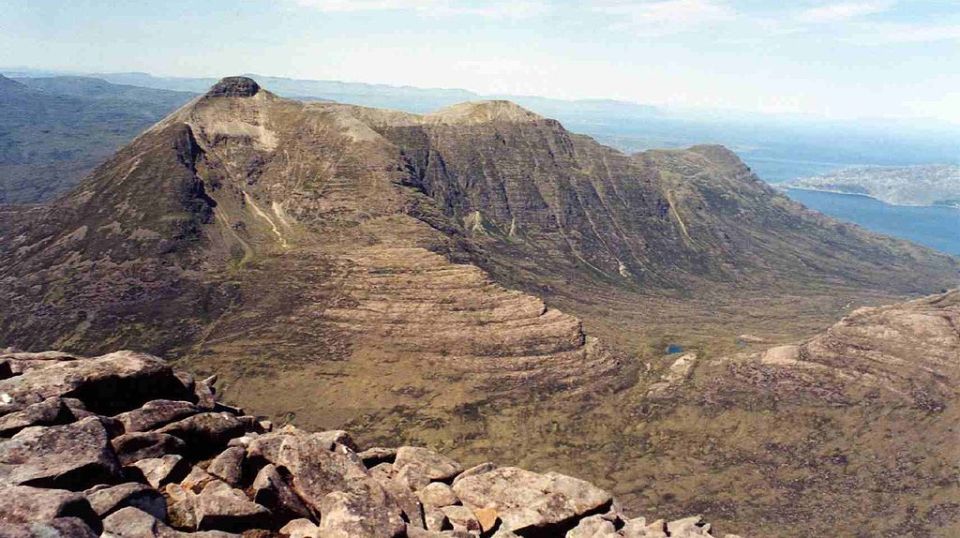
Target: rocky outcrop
<point>117,473</point>
<point>234,87</point>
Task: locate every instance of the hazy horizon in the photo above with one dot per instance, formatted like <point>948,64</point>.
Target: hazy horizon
<point>868,59</point>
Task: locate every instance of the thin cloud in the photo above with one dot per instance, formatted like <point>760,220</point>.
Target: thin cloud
<point>898,33</point>
<point>518,9</point>
<point>666,16</point>
<point>842,11</point>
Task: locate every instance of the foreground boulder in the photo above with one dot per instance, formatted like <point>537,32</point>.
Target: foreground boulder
<point>112,383</point>
<point>106,500</point>
<point>525,500</point>
<point>154,456</point>
<point>74,456</point>
<point>23,505</point>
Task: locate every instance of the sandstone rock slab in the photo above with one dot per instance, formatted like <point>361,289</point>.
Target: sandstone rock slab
<point>23,505</point>
<point>220,507</point>
<point>205,433</point>
<point>131,447</point>
<point>107,385</point>
<point>48,412</point>
<point>37,456</point>
<point>107,500</point>
<point>527,500</point>
<point>363,512</point>
<point>426,462</point>
<point>131,522</point>
<point>228,465</point>
<point>154,414</point>
<point>162,470</point>
<point>272,491</point>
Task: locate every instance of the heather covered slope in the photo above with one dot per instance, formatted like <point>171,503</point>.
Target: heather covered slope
<point>442,279</point>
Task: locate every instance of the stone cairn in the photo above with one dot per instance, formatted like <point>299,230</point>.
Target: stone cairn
<point>122,445</point>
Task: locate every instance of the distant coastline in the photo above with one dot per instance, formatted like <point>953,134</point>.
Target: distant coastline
<point>929,185</point>
<point>863,195</point>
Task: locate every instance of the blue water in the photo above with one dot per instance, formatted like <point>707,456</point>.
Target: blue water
<point>935,227</point>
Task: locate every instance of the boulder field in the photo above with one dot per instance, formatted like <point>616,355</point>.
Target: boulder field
<point>122,445</point>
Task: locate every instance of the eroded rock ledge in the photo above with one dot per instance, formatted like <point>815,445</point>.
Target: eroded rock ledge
<point>125,446</point>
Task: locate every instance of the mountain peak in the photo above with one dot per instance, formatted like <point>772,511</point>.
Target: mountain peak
<point>234,87</point>
<point>474,112</point>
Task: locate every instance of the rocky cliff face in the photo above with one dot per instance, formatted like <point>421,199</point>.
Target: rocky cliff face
<point>124,445</point>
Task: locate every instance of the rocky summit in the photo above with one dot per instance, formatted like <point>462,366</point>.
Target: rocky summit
<point>123,445</point>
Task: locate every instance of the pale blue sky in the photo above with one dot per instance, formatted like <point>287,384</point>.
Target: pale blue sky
<point>843,59</point>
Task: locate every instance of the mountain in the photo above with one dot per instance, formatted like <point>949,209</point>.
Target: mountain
<point>911,185</point>
<point>477,279</point>
<point>780,147</point>
<point>54,131</point>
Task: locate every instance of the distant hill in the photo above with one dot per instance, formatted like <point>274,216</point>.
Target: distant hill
<point>56,130</point>
<point>777,148</point>
<point>910,185</point>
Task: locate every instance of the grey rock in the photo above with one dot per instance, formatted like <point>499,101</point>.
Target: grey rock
<point>272,491</point>
<point>426,462</point>
<point>315,470</point>
<point>106,385</point>
<point>688,527</point>
<point>435,520</point>
<point>300,528</point>
<point>160,471</point>
<point>196,479</point>
<point>593,527</point>
<point>107,500</point>
<point>337,437</point>
<point>131,447</point>
<point>37,456</point>
<point>363,512</point>
<point>63,527</point>
<point>154,414</point>
<point>639,528</point>
<point>475,470</point>
<point>437,494</point>
<point>525,500</point>
<point>405,499</point>
<point>221,507</point>
<point>47,412</point>
<point>462,519</point>
<point>205,433</point>
<point>23,505</point>
<point>228,465</point>
<point>133,523</point>
<point>234,87</point>
<point>377,455</point>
